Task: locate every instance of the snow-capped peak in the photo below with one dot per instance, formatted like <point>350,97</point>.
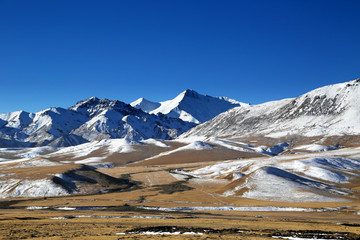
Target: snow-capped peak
<point>85,103</point>
<point>189,106</point>
<point>16,119</point>
<point>88,120</point>
<point>145,105</point>
<point>94,105</point>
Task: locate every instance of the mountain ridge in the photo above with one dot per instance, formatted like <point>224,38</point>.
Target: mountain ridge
<point>329,110</point>
<point>94,119</point>
<point>189,106</point>
<point>88,120</point>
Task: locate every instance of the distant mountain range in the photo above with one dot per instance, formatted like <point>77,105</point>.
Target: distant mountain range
<point>96,119</point>
<point>328,111</point>
<point>241,138</point>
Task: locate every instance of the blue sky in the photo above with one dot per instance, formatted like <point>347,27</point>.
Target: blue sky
<point>55,53</point>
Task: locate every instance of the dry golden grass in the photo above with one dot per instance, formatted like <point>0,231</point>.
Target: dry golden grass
<point>28,224</point>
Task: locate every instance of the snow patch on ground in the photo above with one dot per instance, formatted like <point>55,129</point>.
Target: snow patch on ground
<point>237,146</point>
<point>90,160</point>
<point>79,208</point>
<point>30,188</point>
<point>36,208</point>
<point>197,145</point>
<point>12,161</point>
<point>36,163</point>
<point>155,142</point>
<point>102,216</point>
<point>120,145</point>
<point>316,148</point>
<point>227,144</point>
<point>79,151</point>
<point>102,165</point>
<point>35,152</point>
<point>294,178</point>
<point>242,209</point>
<point>296,238</point>
<point>307,168</point>
<point>274,184</point>
<point>86,149</point>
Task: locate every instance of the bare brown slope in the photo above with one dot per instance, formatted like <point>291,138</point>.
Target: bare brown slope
<point>196,156</point>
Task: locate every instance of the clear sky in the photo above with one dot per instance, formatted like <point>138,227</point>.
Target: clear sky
<point>55,53</point>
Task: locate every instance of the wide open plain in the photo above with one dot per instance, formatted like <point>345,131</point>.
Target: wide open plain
<point>168,198</point>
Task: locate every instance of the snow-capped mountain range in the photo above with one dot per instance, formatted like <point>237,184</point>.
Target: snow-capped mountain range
<point>328,111</point>
<point>88,120</point>
<point>189,106</point>
<point>96,119</point>
<point>245,142</point>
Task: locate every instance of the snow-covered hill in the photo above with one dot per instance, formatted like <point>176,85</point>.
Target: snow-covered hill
<point>327,111</point>
<point>256,173</point>
<point>89,120</point>
<point>189,106</point>
<point>318,177</point>
<point>145,105</point>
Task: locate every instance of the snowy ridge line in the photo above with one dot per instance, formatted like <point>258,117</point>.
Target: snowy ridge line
<point>189,106</point>
<point>109,145</point>
<point>202,144</point>
<point>326,111</point>
<point>89,120</point>
<point>96,119</point>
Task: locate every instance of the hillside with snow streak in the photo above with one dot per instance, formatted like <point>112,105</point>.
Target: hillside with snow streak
<point>320,177</point>
<point>327,111</point>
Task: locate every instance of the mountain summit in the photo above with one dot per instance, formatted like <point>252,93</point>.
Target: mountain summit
<point>145,105</point>
<point>189,106</point>
<point>96,119</point>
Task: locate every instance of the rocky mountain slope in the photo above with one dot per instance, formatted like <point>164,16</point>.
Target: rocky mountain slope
<point>88,120</point>
<point>189,106</point>
<point>95,119</point>
<point>328,111</point>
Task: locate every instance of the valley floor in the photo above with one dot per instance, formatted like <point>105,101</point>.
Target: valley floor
<point>168,207</point>
<point>305,195</point>
<point>67,220</point>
